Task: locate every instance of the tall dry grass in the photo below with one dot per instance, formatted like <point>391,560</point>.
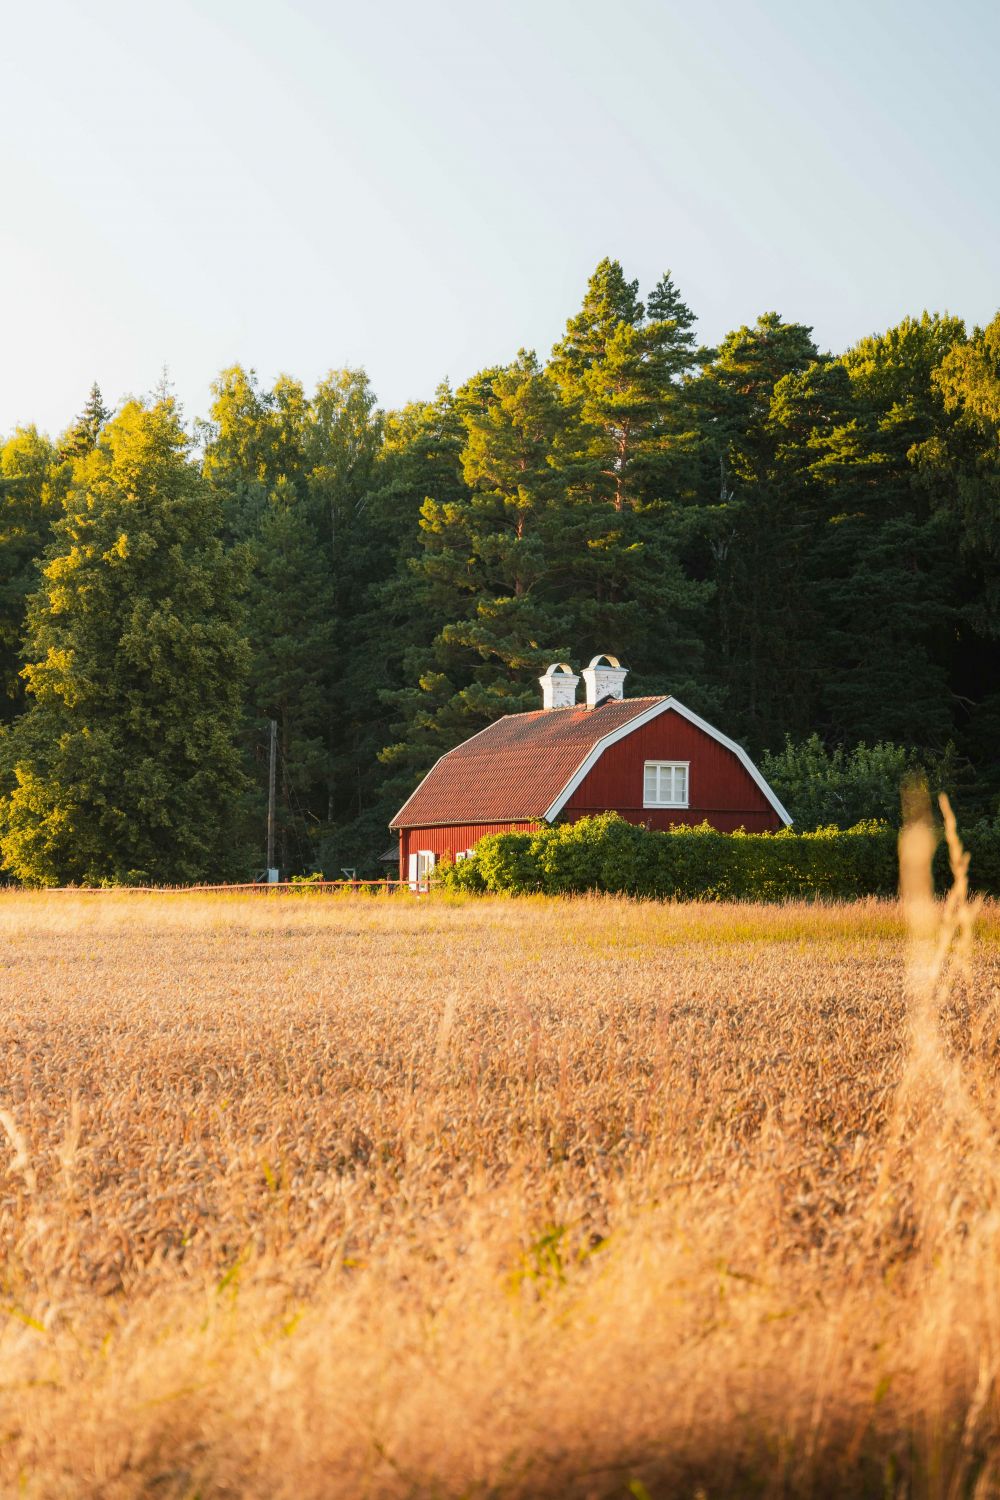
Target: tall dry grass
<point>332,1196</point>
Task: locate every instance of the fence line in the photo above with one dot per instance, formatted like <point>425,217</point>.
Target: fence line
<point>252,887</point>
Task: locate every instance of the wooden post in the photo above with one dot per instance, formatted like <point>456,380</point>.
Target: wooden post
<point>272,873</point>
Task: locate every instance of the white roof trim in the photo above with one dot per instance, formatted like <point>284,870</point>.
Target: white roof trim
<point>676,707</point>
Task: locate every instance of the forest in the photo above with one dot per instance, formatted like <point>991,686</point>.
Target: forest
<point>803,546</point>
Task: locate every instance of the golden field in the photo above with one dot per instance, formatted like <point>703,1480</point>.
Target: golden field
<point>310,1196</point>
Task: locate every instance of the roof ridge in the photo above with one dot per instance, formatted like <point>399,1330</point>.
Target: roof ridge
<point>579,708</point>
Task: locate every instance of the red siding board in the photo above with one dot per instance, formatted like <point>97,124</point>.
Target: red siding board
<point>720,789</point>
<point>450,841</point>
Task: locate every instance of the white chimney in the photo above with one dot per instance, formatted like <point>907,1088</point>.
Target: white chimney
<point>604,681</point>
<point>559,686</point>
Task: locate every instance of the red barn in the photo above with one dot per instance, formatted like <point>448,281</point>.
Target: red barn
<point>650,759</point>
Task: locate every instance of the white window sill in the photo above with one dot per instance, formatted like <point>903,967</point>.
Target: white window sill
<point>677,806</point>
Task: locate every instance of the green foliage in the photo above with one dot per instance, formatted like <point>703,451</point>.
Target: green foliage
<point>888,573</point>
<point>82,437</point>
<point>982,839</point>
<point>490,553</point>
<point>608,854</point>
<point>958,464</point>
<point>124,768</point>
<point>840,787</point>
<point>804,548</point>
<point>567,526</point>
<point>290,614</point>
<point>295,476</point>
<point>33,482</point>
<point>836,572</point>
<point>758,401</point>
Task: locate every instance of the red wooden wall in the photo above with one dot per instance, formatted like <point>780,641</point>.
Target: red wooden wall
<point>720,790</point>
<point>452,840</point>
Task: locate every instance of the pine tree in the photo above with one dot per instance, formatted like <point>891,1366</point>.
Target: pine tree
<point>253,440</point>
<point>290,609</point>
<point>622,366</point>
<point>960,463</point>
<point>295,475</point>
<point>124,767</point>
<point>493,564</point>
<point>567,537</point>
<point>889,564</point>
<point>33,482</point>
<point>959,471</point>
<point>82,437</point>
<point>632,464</point>
<point>403,611</point>
<point>753,390</point>
<point>343,441</point>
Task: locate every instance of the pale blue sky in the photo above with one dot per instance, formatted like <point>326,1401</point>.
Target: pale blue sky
<point>421,188</point>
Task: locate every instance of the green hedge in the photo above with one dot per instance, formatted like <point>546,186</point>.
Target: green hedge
<point>606,853</point>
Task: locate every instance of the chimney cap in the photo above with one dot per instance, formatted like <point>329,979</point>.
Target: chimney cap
<point>604,678</point>
<point>558,683</point>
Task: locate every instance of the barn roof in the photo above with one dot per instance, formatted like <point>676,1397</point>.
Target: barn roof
<point>524,766</point>
<point>514,769</point>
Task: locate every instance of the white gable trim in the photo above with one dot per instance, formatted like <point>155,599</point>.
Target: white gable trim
<point>673,706</point>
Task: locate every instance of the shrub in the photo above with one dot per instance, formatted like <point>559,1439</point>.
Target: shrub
<point>463,876</point>
<point>606,853</point>
<point>846,786</point>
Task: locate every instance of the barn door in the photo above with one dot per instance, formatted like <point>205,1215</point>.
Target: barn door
<point>412,873</point>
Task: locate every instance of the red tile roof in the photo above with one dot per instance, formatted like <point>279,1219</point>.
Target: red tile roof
<point>514,770</point>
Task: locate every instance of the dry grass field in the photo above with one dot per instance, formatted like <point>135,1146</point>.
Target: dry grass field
<point>311,1196</point>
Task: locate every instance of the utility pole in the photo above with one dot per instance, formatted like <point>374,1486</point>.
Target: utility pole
<point>272,873</point>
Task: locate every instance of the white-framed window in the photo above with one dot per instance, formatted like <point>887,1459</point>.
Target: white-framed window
<point>665,783</point>
<point>421,865</point>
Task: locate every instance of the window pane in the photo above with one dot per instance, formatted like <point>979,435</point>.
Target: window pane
<point>664,784</point>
